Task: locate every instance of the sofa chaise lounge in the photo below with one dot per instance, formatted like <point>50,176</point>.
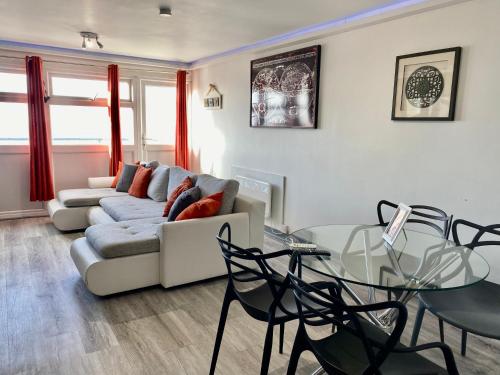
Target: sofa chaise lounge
<point>128,244</point>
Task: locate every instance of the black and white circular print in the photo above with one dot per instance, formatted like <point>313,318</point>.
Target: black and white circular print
<point>424,86</point>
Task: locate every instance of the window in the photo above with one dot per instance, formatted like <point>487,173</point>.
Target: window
<point>86,88</point>
<point>76,120</point>
<point>88,125</point>
<point>13,109</point>
<point>159,114</point>
<point>13,83</point>
<point>14,123</point>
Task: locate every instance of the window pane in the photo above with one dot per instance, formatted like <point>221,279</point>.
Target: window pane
<point>14,124</point>
<point>80,125</point>
<point>13,82</point>
<point>160,114</point>
<point>124,90</point>
<point>127,125</point>
<point>86,88</point>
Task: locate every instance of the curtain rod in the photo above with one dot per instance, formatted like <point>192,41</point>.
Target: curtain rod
<point>81,64</point>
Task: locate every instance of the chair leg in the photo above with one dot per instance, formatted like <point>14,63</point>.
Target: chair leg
<point>464,342</point>
<point>220,330</point>
<point>282,336</point>
<point>418,324</point>
<point>298,348</point>
<point>268,346</point>
<point>441,330</point>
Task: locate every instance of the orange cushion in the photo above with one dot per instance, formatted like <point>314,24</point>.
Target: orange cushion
<point>140,183</point>
<point>205,207</point>
<point>118,174</point>
<point>185,185</point>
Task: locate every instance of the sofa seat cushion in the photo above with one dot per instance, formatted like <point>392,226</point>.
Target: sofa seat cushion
<point>85,197</point>
<point>125,238</point>
<point>131,208</point>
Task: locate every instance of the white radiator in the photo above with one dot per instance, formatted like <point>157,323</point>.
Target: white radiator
<point>273,194</point>
<point>256,189</point>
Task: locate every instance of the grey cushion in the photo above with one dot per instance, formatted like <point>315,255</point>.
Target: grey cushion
<point>85,197</point>
<point>176,176</point>
<point>125,238</point>
<point>183,201</point>
<point>158,186</point>
<point>128,207</point>
<point>126,178</point>
<point>210,185</point>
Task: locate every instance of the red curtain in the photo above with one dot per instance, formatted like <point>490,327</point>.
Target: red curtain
<point>116,155</point>
<point>181,130</point>
<point>41,182</point>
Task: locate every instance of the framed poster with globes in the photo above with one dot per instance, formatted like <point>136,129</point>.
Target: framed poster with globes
<point>425,85</point>
<point>284,89</point>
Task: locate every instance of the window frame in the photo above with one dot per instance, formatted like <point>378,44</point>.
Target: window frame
<point>152,82</point>
<point>14,97</point>
<point>65,67</point>
<point>88,102</point>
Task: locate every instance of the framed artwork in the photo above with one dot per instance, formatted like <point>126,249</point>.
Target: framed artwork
<point>425,85</point>
<point>284,89</point>
<point>397,223</point>
<point>213,98</point>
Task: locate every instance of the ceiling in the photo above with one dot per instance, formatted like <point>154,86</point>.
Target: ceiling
<point>198,28</point>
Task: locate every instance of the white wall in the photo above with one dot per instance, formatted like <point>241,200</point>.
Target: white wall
<point>357,156</point>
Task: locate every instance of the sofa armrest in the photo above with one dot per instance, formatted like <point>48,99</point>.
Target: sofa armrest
<point>256,213</point>
<point>190,252</point>
<point>100,182</point>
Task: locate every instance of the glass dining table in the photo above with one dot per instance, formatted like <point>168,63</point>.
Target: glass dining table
<point>416,262</point>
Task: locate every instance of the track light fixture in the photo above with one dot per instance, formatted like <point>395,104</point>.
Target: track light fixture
<point>90,40</point>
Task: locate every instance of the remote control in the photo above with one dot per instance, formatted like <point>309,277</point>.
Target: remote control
<point>306,246</point>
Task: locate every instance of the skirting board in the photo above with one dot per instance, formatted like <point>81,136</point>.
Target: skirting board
<point>20,214</point>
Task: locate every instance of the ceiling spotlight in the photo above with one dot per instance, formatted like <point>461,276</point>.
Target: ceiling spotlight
<point>165,12</point>
<point>90,40</point>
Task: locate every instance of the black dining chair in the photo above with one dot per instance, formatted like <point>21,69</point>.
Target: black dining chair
<point>431,217</point>
<point>356,346</point>
<point>262,292</point>
<point>475,308</point>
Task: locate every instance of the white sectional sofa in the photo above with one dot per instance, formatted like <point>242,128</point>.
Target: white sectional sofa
<point>129,245</point>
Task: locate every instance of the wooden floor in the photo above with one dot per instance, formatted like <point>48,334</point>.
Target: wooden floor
<point>50,323</point>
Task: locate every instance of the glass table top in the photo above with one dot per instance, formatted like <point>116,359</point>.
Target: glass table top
<point>416,261</point>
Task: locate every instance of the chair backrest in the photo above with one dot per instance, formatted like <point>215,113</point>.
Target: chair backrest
<point>250,266</point>
<point>321,303</point>
<point>480,232</point>
<point>429,216</point>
